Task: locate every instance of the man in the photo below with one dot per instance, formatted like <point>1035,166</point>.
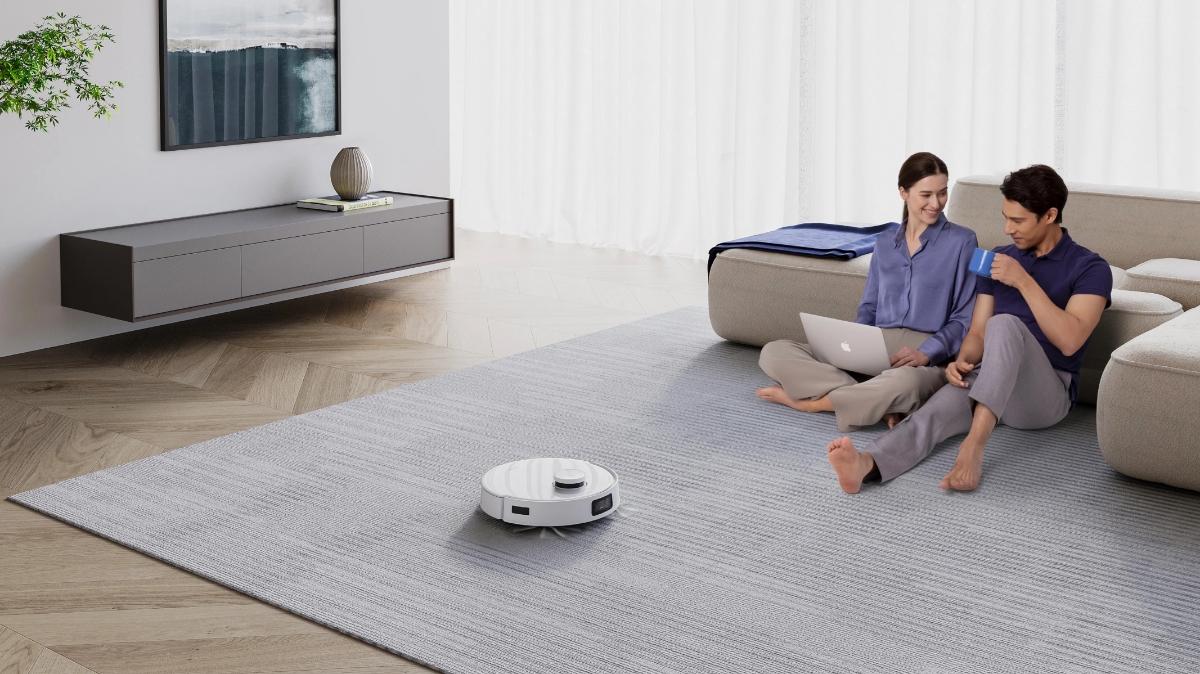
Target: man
<point>1019,363</point>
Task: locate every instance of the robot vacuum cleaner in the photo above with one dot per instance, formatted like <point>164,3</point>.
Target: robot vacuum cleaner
<point>549,492</point>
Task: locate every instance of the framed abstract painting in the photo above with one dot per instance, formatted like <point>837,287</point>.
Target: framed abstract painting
<point>246,71</point>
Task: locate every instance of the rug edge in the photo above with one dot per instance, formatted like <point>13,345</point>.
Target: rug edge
<point>141,551</point>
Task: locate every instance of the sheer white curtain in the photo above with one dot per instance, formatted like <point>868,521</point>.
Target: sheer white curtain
<point>649,125</point>
<point>666,126</point>
<point>972,82</point>
<point>1133,92</point>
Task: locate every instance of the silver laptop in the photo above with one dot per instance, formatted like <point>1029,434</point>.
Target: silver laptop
<point>850,346</point>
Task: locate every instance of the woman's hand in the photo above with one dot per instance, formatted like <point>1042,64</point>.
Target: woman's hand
<point>956,370</point>
<point>907,357</point>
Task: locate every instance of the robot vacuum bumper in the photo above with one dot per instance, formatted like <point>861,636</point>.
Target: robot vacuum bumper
<point>549,492</point>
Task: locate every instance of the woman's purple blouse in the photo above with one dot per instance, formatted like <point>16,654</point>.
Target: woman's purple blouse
<point>932,291</point>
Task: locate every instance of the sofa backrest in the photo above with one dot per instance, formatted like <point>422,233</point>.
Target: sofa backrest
<point>1125,225</point>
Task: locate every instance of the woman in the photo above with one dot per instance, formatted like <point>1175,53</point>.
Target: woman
<point>918,290</point>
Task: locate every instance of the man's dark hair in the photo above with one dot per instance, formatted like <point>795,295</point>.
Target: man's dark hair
<point>1037,188</point>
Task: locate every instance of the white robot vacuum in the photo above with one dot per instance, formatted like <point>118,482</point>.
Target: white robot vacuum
<point>549,492</point>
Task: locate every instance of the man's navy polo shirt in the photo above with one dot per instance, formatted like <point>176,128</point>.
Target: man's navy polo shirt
<point>1068,269</point>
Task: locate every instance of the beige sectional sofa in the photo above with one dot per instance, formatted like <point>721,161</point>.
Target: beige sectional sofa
<point>1143,363</point>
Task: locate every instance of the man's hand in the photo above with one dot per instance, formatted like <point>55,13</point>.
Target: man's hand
<point>955,372</point>
<point>1008,271</point>
<point>907,357</point>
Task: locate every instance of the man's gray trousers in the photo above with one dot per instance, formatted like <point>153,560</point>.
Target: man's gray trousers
<point>1015,381</point>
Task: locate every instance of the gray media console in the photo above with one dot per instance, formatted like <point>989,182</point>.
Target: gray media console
<point>144,271</point>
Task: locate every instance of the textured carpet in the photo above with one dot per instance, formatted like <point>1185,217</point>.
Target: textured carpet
<point>734,551</point>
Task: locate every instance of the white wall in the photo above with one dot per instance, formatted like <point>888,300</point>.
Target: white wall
<point>89,173</point>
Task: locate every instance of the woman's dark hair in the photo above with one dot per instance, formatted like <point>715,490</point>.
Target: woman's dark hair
<point>1037,188</point>
<point>917,168</point>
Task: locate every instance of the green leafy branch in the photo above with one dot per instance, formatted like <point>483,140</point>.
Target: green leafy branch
<point>39,68</point>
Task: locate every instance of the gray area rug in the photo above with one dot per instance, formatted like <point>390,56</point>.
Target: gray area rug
<point>735,550</point>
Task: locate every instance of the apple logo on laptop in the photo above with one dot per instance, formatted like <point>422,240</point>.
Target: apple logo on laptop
<point>845,346</point>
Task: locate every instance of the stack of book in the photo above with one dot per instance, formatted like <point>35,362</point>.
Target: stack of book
<point>335,203</point>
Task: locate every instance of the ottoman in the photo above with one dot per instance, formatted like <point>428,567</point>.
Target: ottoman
<point>1148,406</point>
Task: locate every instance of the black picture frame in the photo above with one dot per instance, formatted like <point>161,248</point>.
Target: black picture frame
<point>164,86</point>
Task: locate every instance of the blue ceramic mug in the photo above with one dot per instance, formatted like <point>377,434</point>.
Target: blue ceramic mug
<point>981,262</point>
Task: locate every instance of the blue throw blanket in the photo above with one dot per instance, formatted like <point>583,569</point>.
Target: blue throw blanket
<point>813,239</point>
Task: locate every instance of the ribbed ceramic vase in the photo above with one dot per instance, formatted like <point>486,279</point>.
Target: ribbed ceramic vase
<point>351,173</point>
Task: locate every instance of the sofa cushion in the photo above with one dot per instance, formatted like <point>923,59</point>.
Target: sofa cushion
<point>1146,417</point>
<point>1118,278</point>
<point>1131,314</point>
<point>756,296</point>
<point>1173,277</point>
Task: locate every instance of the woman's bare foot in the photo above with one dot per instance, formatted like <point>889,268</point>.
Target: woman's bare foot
<point>850,464</point>
<point>967,470</point>
<point>776,394</point>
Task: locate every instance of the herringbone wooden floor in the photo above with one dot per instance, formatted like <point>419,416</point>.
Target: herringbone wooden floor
<point>72,603</point>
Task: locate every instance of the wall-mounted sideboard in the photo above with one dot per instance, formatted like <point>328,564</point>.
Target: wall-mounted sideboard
<point>153,269</point>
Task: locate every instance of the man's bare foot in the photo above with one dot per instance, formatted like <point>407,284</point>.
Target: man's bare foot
<point>850,464</point>
<point>967,470</point>
<point>776,394</point>
<point>892,418</point>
